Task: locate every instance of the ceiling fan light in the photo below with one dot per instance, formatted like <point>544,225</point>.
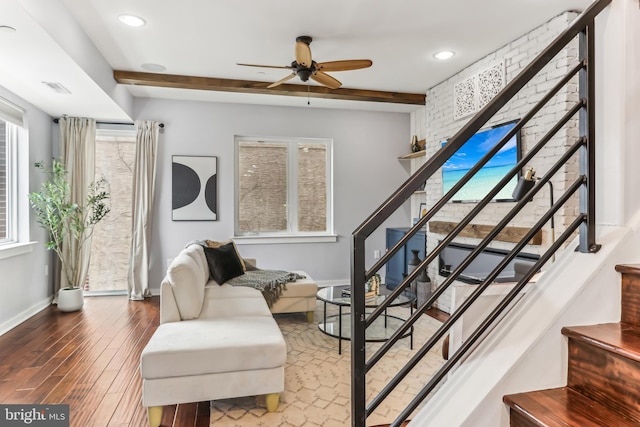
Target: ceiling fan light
<point>304,74</point>
<point>444,54</point>
<point>132,20</point>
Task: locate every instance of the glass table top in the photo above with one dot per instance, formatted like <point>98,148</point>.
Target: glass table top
<point>341,295</point>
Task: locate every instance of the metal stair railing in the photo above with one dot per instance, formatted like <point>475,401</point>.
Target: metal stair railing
<point>583,27</point>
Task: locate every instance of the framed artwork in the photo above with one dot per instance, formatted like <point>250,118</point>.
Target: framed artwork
<point>194,188</point>
<point>423,210</point>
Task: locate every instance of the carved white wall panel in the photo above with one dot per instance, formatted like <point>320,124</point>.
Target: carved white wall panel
<point>464,98</point>
<point>473,93</point>
<point>489,83</point>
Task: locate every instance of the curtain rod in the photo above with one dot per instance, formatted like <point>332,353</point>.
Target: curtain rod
<point>110,123</point>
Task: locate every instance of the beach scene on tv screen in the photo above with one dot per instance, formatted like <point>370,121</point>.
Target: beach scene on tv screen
<point>487,177</point>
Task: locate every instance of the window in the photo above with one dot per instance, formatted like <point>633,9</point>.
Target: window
<point>8,211</point>
<point>283,187</point>
<point>4,185</point>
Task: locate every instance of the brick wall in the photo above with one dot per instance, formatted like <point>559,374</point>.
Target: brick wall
<point>440,125</point>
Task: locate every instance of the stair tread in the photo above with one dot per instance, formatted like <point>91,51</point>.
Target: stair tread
<point>628,268</point>
<point>619,338</point>
<point>564,407</point>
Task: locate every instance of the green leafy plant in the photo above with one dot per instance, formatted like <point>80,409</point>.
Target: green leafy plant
<point>69,224</point>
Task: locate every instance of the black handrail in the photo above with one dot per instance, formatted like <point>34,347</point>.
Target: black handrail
<point>476,210</point>
<point>476,251</point>
<point>458,185</point>
<point>432,165</point>
<point>489,320</point>
<point>395,381</point>
<point>582,26</point>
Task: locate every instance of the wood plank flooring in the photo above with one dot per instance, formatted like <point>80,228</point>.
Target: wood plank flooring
<point>89,360</point>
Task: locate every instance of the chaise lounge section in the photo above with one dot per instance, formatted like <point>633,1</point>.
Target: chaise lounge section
<point>215,341</point>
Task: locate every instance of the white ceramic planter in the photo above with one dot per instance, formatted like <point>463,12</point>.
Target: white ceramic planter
<point>70,299</point>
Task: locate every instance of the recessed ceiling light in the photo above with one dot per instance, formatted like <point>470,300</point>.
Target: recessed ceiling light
<point>7,29</point>
<point>443,54</point>
<point>132,20</point>
<point>156,68</point>
<point>57,87</point>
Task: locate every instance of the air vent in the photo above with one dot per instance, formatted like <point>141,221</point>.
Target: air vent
<point>57,87</point>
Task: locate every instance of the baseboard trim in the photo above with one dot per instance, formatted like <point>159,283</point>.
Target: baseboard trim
<point>26,314</point>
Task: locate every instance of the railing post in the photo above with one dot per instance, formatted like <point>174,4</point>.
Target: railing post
<point>358,329</point>
<point>587,124</point>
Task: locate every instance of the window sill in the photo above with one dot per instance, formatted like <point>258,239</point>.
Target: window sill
<point>303,238</point>
<point>15,249</point>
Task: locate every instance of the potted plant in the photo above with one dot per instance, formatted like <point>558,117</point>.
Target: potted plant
<point>70,226</point>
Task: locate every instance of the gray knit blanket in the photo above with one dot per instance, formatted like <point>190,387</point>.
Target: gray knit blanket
<point>270,282</point>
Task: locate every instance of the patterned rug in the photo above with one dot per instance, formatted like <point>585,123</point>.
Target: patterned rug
<point>317,379</point>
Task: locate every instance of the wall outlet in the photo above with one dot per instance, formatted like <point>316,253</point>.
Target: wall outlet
<point>46,270</point>
<point>376,254</point>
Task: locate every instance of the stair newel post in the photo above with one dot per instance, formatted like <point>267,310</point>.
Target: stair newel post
<point>587,124</point>
<point>358,328</point>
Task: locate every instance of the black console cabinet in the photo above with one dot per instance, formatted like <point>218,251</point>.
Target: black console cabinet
<point>397,265</point>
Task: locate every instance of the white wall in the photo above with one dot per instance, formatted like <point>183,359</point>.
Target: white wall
<point>366,172</point>
<point>24,287</point>
<point>618,98</point>
<point>58,22</point>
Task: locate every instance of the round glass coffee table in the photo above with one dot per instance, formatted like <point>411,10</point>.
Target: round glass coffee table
<point>339,325</point>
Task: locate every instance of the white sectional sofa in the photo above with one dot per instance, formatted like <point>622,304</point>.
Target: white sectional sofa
<point>215,341</point>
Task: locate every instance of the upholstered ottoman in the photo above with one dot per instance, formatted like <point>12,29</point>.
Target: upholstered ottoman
<point>208,359</point>
<point>300,296</point>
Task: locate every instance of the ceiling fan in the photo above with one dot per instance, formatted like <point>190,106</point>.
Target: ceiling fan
<point>305,67</point>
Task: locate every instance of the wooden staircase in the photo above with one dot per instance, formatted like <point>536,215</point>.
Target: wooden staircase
<point>603,378</point>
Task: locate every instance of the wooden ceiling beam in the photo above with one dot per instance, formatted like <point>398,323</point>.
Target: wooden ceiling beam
<point>249,86</point>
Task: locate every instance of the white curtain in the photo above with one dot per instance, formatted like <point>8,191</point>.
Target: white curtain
<point>144,180</point>
<point>78,150</point>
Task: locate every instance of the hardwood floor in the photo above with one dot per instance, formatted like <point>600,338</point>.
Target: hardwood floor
<point>88,360</point>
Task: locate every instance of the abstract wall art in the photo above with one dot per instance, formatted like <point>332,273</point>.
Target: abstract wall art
<point>194,188</point>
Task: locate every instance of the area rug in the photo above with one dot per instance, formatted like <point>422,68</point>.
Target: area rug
<point>317,379</point>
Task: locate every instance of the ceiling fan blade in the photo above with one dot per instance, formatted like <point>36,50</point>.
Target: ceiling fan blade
<point>279,82</point>
<point>353,64</point>
<point>303,54</point>
<point>288,67</point>
<point>326,80</point>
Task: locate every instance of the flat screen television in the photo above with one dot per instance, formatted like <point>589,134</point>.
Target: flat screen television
<point>492,172</point>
